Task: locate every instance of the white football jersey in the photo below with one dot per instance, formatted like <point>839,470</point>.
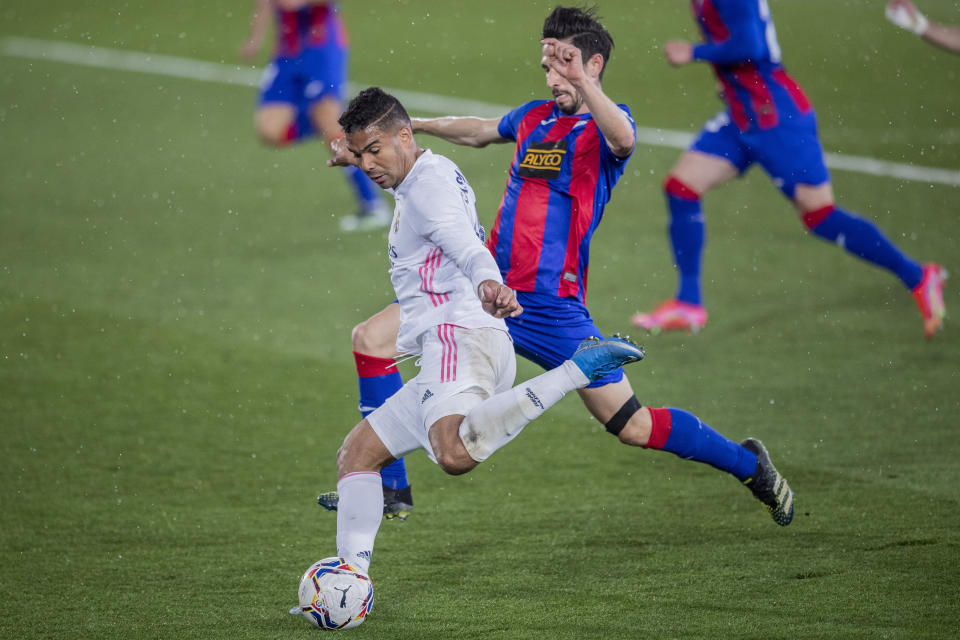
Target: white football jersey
<point>437,256</point>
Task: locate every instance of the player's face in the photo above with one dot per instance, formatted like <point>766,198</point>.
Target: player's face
<point>384,156</point>
<point>569,99</point>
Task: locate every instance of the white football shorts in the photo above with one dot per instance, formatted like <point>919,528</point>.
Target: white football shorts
<point>459,369</point>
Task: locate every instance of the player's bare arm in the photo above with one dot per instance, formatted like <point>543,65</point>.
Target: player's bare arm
<point>905,15</point>
<point>566,61</point>
<point>943,36</point>
<point>259,23</point>
<point>468,131</point>
<point>499,300</point>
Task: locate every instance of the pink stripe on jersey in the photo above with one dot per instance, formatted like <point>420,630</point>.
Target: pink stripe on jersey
<point>448,354</point>
<point>427,271</point>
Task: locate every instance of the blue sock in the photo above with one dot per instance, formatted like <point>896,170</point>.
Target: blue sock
<point>864,239</point>
<point>379,379</point>
<point>304,125</point>
<point>685,435</point>
<point>687,237</point>
<point>363,188</point>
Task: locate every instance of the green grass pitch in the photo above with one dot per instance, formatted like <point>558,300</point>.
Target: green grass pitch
<point>175,369</point>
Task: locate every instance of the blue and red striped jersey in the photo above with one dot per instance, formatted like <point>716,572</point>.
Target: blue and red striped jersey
<point>313,25</point>
<point>560,180</point>
<point>740,42</point>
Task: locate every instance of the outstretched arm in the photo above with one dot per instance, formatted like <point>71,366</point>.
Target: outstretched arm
<point>613,122</point>
<point>258,29</point>
<point>945,37</point>
<point>905,15</point>
<point>468,131</point>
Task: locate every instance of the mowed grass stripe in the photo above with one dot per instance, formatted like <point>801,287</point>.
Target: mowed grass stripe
<point>204,71</point>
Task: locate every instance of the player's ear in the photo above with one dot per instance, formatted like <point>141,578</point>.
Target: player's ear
<point>595,65</point>
<point>405,133</point>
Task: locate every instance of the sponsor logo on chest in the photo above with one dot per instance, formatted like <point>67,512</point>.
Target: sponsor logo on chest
<point>543,160</point>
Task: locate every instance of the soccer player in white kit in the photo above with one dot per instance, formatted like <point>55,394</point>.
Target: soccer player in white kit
<point>462,406</point>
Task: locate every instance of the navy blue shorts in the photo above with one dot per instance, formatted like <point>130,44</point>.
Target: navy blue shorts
<point>790,153</point>
<point>315,74</point>
<point>550,329</point>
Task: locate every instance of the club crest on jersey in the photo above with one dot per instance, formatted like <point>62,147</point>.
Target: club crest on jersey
<point>543,160</point>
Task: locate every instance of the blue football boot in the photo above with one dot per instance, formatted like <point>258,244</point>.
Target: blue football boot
<point>597,357</point>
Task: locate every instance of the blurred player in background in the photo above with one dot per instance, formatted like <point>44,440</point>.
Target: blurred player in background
<point>768,121</point>
<point>302,89</point>
<point>462,406</point>
<point>570,153</point>
<point>905,15</point>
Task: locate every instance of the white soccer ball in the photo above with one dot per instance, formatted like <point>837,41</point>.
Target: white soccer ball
<point>334,595</point>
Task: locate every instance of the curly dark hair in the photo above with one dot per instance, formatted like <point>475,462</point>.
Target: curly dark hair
<point>583,26</point>
<point>374,107</point>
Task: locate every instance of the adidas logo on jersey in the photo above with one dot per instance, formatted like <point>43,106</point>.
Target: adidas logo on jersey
<point>426,396</point>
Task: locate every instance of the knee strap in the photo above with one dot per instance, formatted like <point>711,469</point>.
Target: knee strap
<point>620,419</point>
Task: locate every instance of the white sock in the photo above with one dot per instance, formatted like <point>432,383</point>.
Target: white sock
<point>500,418</point>
<point>359,512</point>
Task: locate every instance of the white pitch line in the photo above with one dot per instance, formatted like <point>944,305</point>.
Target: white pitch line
<point>173,66</point>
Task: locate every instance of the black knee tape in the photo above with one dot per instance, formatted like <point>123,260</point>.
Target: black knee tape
<point>620,419</point>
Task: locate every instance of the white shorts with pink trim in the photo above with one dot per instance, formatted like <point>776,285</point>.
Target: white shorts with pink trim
<point>459,369</point>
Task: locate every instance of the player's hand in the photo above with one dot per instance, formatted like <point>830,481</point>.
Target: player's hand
<point>565,59</point>
<point>340,155</point>
<point>678,52</point>
<point>905,15</point>
<point>499,300</point>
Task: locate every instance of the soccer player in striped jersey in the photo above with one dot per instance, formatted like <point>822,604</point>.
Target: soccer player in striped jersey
<point>569,154</point>
<point>768,121</point>
<point>462,406</point>
<point>302,89</point>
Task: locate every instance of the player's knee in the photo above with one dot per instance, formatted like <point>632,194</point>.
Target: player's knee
<point>364,339</point>
<point>631,424</point>
<point>272,138</point>
<point>454,463</point>
<point>344,463</point>
<point>274,132</point>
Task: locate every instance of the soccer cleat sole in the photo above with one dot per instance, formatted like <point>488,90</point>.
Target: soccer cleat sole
<point>781,494</point>
<point>782,513</point>
<point>329,500</point>
<point>395,510</point>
